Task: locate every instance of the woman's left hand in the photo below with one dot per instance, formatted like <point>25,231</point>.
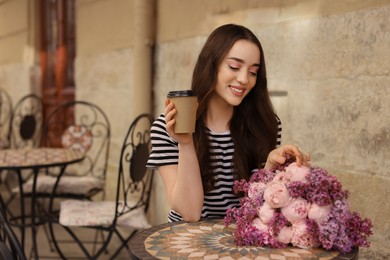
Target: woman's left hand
<point>279,155</point>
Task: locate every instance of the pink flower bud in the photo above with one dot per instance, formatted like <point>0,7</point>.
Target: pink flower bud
<point>276,194</point>
<point>297,173</point>
<point>265,213</point>
<point>301,237</point>
<point>257,223</point>
<point>296,210</point>
<point>319,213</point>
<point>256,189</point>
<point>285,235</point>
<point>282,177</point>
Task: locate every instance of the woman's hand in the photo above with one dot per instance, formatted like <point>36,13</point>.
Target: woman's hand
<point>279,155</point>
<point>170,112</point>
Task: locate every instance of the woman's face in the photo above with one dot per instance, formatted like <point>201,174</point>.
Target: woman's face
<point>237,72</point>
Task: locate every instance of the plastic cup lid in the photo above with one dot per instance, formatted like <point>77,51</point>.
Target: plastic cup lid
<point>180,93</point>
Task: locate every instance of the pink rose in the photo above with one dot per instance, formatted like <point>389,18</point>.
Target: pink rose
<point>285,235</point>
<point>265,213</point>
<point>256,189</point>
<point>257,223</point>
<point>296,210</point>
<point>301,237</point>
<point>319,213</point>
<point>282,177</point>
<point>297,173</point>
<point>276,194</point>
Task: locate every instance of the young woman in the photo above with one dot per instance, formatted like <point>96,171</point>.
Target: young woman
<point>237,130</point>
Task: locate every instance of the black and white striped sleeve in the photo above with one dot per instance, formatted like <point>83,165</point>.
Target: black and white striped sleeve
<point>164,148</point>
<point>279,137</point>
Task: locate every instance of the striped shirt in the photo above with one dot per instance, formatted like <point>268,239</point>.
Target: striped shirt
<point>221,198</point>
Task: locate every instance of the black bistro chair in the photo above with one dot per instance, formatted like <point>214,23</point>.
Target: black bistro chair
<point>83,126</point>
<point>10,248</point>
<point>134,185</point>
<point>25,132</point>
<point>26,123</point>
<point>5,119</point>
<point>5,134</point>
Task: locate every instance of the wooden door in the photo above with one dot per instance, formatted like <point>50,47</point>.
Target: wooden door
<point>58,52</point>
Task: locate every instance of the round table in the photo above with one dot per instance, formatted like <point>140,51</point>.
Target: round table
<point>211,239</point>
<point>34,159</point>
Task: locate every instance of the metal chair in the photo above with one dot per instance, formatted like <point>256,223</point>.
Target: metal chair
<point>25,132</point>
<point>5,119</point>
<point>26,128</point>
<point>83,126</point>
<point>134,185</point>
<point>5,133</point>
<point>26,123</point>
<point>10,248</point>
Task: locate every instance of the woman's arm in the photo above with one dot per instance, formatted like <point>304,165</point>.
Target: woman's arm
<point>183,182</point>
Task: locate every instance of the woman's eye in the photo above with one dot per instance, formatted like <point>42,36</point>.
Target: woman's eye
<point>233,68</point>
<point>253,73</point>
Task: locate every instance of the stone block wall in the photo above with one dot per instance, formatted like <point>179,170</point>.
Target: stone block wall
<point>104,79</point>
<point>337,80</point>
<point>331,62</point>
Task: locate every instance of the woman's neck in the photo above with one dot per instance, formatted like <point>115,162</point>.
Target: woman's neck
<point>218,115</point>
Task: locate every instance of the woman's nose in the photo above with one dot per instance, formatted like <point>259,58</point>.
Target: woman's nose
<point>242,77</point>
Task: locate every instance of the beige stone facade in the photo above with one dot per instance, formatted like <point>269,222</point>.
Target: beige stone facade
<point>330,56</point>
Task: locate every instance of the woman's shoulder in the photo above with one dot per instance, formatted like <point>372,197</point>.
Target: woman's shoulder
<point>160,118</point>
<point>159,132</point>
<point>159,122</point>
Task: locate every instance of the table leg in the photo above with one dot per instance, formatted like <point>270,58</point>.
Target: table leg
<point>51,222</point>
<point>33,203</point>
<point>22,209</point>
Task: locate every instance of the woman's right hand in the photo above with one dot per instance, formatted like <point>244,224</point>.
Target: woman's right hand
<point>170,112</point>
<point>279,155</point>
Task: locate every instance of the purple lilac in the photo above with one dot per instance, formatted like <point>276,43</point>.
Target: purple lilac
<point>334,232</point>
<point>241,186</point>
<point>251,236</point>
<point>262,175</point>
<point>258,201</point>
<point>312,227</point>
<point>278,221</point>
<point>324,188</point>
<point>359,230</point>
<point>341,230</point>
<point>297,189</point>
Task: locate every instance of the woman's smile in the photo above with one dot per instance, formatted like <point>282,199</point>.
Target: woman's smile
<point>237,91</point>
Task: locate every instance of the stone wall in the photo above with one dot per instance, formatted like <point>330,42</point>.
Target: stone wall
<point>329,58</point>
<point>337,82</point>
<point>106,79</point>
<point>18,74</point>
<point>103,69</point>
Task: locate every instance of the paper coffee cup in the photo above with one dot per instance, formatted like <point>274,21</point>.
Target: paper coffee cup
<point>186,104</point>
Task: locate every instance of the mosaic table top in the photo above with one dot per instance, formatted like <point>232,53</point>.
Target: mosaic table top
<point>42,157</point>
<point>210,239</point>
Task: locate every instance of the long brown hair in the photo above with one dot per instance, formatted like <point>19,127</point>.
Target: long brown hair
<point>254,124</point>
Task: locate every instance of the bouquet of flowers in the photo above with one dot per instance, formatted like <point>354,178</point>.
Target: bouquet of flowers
<point>302,206</point>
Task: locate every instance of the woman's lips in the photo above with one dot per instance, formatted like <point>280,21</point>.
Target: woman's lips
<point>238,91</point>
